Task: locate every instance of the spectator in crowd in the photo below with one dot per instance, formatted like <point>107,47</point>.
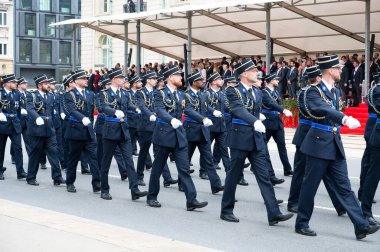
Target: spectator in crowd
<point>292,80</point>
<point>132,7</point>
<point>357,80</point>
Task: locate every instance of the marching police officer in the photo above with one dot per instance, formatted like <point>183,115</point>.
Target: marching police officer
<point>246,140</point>
<point>218,131</point>
<point>324,151</point>
<point>145,101</point>
<point>40,108</point>
<point>133,116</point>
<point>115,103</point>
<point>99,124</point>
<point>273,122</point>
<point>10,126</point>
<point>305,122</point>
<point>197,131</point>
<point>78,105</point>
<point>170,136</point>
<point>373,174</point>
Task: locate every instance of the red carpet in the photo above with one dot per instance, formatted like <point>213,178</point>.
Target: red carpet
<point>360,113</point>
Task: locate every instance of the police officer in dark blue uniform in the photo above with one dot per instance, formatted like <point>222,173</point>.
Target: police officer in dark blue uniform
<point>373,148</point>
<point>133,116</point>
<point>324,151</point>
<point>246,140</point>
<point>370,124</point>
<point>10,126</point>
<point>170,137</point>
<point>99,124</point>
<point>197,126</point>
<point>314,77</point>
<point>145,102</point>
<point>273,122</point>
<point>78,105</point>
<point>218,131</point>
<point>115,103</point>
<point>40,108</point>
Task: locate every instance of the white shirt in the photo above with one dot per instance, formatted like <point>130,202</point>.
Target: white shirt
<point>149,88</point>
<point>8,91</point>
<point>247,87</point>
<point>195,91</point>
<point>114,89</point>
<point>171,88</point>
<point>41,92</point>
<point>216,91</point>
<point>329,87</point>
<point>80,90</point>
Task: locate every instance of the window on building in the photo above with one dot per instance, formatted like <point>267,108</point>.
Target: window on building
<point>49,31</point>
<point>26,4</point>
<point>25,50</point>
<point>3,49</point>
<point>105,45</point>
<point>45,5</point>
<point>45,52</point>
<point>64,53</point>
<point>3,18</point>
<point>105,5</point>
<point>67,29</point>
<point>65,6</point>
<point>30,24</point>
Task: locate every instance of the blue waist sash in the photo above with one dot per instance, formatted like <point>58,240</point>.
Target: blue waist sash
<point>372,115</point>
<point>159,120</point>
<point>112,119</point>
<point>307,122</point>
<point>188,119</point>
<point>378,121</point>
<point>241,122</point>
<point>325,127</point>
<point>10,115</point>
<point>72,118</point>
<point>46,118</point>
<point>270,112</point>
<point>100,116</point>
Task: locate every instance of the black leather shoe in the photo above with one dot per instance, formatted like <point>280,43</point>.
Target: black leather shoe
<point>360,234</point>
<point>288,173</point>
<point>13,160</point>
<point>32,182</point>
<point>280,201</point>
<point>247,165</point>
<point>373,222</point>
<point>106,196</point>
<point>229,217</point>
<point>59,181</point>
<point>191,164</point>
<point>1,176</point>
<point>170,182</point>
<point>96,187</point>
<point>138,194</point>
<point>148,167</point>
<point>243,182</point>
<point>135,153</point>
<point>153,203</point>
<point>217,167</point>
<point>43,166</point>
<point>204,176</point>
<point>123,176</point>
<point>21,175</point>
<point>279,218</point>
<point>196,204</point>
<point>217,189</point>
<point>293,209</point>
<point>306,231</point>
<point>277,181</point>
<point>85,171</point>
<point>141,182</point>
<point>71,188</point>
<point>342,212</point>
<point>191,171</point>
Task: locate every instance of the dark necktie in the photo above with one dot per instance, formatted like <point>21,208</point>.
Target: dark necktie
<point>45,96</point>
<point>84,94</point>
<point>175,96</point>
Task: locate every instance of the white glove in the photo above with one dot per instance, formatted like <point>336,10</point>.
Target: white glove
<point>55,111</point>
<point>24,112</point>
<point>86,121</point>
<point>259,126</point>
<point>207,122</point>
<point>262,117</point>
<point>217,113</point>
<point>138,111</point>
<point>175,123</point>
<point>352,123</point>
<point>287,113</point>
<point>119,114</point>
<point>3,118</point>
<point>40,121</point>
<point>63,116</point>
<point>152,118</point>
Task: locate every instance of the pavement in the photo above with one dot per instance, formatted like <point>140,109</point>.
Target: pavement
<point>47,218</point>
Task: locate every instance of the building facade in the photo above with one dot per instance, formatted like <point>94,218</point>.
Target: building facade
<point>39,47</point>
<point>6,37</point>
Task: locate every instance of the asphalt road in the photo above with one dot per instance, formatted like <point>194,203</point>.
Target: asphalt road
<point>203,227</point>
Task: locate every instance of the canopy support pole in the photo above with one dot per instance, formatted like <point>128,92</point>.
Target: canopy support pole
<point>138,41</point>
<point>74,51</point>
<point>367,47</point>
<point>267,38</point>
<point>126,47</point>
<point>189,40</point>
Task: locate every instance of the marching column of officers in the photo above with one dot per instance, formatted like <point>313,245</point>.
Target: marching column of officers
<point>234,113</point>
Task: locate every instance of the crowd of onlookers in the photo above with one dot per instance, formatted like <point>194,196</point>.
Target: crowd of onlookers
<point>291,73</point>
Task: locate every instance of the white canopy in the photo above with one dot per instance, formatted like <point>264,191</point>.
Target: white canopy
<point>230,28</point>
